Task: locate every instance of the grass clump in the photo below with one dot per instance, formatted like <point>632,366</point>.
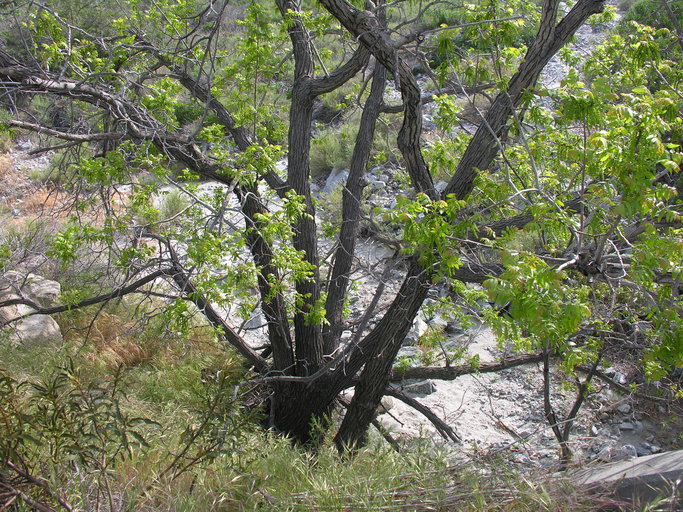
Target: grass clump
<point>331,149</point>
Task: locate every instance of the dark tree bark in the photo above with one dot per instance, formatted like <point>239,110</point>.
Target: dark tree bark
<point>377,353</point>
<point>351,212</point>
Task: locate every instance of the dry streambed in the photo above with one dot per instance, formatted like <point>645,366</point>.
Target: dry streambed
<point>503,412</point>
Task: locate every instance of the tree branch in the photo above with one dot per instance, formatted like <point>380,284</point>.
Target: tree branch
<point>442,427</point>
<point>485,144</point>
<point>74,137</point>
<point>453,372</point>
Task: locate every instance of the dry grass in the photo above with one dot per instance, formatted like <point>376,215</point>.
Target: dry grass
<point>45,200</point>
<point>116,341</point>
<point>6,166</point>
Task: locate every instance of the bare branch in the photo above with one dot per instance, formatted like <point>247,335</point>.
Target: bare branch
<point>74,137</point>
<point>453,372</point>
<point>442,427</point>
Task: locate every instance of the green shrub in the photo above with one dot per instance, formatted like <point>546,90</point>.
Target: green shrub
<point>172,204</point>
<point>331,149</point>
<point>185,113</point>
<point>651,12</point>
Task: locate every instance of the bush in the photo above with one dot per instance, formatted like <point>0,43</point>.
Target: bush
<point>651,12</point>
<point>331,149</point>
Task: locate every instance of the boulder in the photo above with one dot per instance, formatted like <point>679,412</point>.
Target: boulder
<point>639,479</point>
<point>336,179</point>
<point>37,288</point>
<point>34,330</point>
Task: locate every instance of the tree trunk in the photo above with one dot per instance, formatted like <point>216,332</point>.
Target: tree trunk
<point>485,145</point>
<point>380,349</point>
<point>351,212</point>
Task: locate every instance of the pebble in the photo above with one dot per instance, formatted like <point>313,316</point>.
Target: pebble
<point>620,378</point>
<point>454,329</point>
<point>606,452</point>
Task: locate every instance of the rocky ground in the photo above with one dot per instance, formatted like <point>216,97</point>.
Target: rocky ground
<point>503,412</point>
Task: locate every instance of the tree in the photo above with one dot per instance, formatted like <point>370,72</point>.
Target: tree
<point>573,211</point>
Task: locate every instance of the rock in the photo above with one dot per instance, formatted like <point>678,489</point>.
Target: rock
<point>419,326</point>
<point>37,288</point>
<point>642,479</point>
<point>256,321</point>
<point>408,352</point>
<point>324,113</point>
<point>436,322</point>
<point>24,145</point>
<point>609,452</point>
<point>620,378</point>
<point>630,451</point>
<point>454,329</point>
<point>378,185</point>
<point>426,387</point>
<point>34,330</point>
<point>627,425</point>
<point>642,451</point>
<point>605,452</point>
<point>336,178</point>
<point>624,408</point>
<point>610,372</point>
<point>386,404</point>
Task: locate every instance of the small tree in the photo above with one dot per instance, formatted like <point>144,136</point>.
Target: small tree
<point>574,211</point>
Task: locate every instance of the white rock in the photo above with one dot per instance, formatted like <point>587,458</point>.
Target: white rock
<point>34,330</point>
<point>35,287</point>
<point>335,179</point>
<point>256,321</point>
<point>419,326</point>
